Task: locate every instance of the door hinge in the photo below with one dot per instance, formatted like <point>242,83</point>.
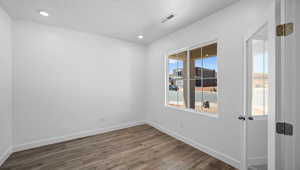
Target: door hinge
<point>285,29</point>
<point>284,128</point>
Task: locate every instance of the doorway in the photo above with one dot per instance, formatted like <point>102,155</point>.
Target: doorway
<point>256,100</point>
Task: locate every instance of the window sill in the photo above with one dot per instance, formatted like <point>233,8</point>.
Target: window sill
<point>212,115</point>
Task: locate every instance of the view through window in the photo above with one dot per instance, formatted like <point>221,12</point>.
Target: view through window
<point>177,89</point>
<point>192,79</point>
<point>260,86</point>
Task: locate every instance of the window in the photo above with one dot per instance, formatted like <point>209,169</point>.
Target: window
<point>260,86</point>
<point>177,90</point>
<point>192,79</point>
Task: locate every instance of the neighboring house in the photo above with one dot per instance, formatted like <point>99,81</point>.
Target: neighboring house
<point>209,77</point>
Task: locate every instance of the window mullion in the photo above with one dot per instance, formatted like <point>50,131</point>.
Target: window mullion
<point>201,78</point>
<point>188,79</point>
<point>176,80</point>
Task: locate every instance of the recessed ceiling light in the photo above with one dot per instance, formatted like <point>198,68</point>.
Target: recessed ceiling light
<point>44,13</point>
<point>140,36</point>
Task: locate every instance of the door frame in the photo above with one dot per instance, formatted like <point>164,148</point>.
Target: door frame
<point>285,156</point>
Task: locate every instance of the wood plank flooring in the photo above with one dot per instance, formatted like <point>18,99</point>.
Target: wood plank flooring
<point>136,148</point>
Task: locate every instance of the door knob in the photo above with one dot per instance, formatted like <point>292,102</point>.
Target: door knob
<point>250,118</point>
<point>241,118</point>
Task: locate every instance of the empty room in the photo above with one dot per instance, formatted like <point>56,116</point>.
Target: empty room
<point>149,84</point>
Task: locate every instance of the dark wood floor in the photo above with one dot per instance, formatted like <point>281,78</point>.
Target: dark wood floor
<point>137,148</point>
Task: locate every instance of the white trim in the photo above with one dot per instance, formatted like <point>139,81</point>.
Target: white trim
<point>59,139</point>
<point>166,77</point>
<point>258,160</point>
<point>273,93</point>
<point>244,130</point>
<point>288,95</point>
<point>212,115</point>
<point>5,155</point>
<point>221,156</point>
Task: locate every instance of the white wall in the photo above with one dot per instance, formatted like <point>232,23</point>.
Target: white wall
<point>70,83</point>
<point>5,84</point>
<point>221,136</point>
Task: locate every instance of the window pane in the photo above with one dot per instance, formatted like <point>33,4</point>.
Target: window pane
<point>196,63</point>
<point>203,95</point>
<point>177,65</point>
<point>177,86</point>
<point>210,95</point>
<point>196,96</point>
<point>209,56</point>
<point>259,77</point>
<point>203,61</point>
<point>176,93</point>
<point>203,79</point>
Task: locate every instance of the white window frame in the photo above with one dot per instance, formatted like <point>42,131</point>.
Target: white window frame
<point>166,75</point>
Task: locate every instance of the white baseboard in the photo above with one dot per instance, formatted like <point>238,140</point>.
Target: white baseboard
<point>5,155</point>
<point>223,157</point>
<point>258,160</point>
<point>73,136</point>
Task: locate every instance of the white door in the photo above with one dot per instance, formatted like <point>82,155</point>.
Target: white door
<point>255,118</point>
<point>258,119</point>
